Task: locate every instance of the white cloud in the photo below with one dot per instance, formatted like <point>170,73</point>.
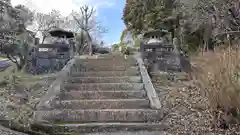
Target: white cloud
<point>64,6</point>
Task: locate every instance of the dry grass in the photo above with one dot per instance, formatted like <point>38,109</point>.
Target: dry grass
<point>217,76</point>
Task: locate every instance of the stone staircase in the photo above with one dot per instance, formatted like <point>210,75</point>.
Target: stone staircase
<point>103,94</point>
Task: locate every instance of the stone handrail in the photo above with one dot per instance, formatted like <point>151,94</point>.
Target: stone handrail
<point>55,87</point>
<point>151,92</point>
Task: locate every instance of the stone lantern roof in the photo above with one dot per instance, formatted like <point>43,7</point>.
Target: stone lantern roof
<point>58,32</point>
<point>151,33</point>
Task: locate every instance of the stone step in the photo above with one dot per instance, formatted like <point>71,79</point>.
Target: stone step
<point>122,59</point>
<point>130,60</point>
<point>105,56</point>
<point>104,64</point>
<point>97,115</point>
<point>110,57</point>
<point>124,79</point>
<point>105,73</point>
<point>102,95</point>
<point>102,86</point>
<point>117,58</point>
<point>103,68</point>
<point>103,104</point>
<point>103,128</point>
<point>113,56</point>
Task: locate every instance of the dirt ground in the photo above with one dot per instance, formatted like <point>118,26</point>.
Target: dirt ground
<point>19,94</point>
<point>186,110</point>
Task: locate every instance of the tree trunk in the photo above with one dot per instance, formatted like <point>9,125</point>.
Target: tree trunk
<point>177,31</point>
<point>229,38</point>
<point>90,49</point>
<point>44,37</point>
<point>14,60</point>
<point>19,67</point>
<point>24,57</point>
<point>89,43</point>
<point>22,63</point>
<point>82,49</point>
<point>172,31</point>
<point>81,43</point>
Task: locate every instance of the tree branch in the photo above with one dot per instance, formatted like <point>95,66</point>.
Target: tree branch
<point>78,22</point>
<point>14,60</point>
<point>228,32</point>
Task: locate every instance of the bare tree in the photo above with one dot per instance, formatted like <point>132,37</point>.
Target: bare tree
<point>81,44</point>
<point>70,24</point>
<point>45,22</point>
<point>87,23</point>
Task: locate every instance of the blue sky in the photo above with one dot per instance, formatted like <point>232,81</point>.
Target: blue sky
<point>111,19</point>
<point>109,12</point>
